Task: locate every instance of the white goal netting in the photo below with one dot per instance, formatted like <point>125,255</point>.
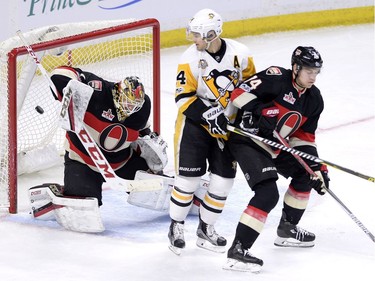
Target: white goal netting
<point>30,137</point>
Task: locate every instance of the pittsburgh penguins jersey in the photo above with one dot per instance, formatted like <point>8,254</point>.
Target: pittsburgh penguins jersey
<point>204,80</point>
<point>299,111</point>
<point>112,136</point>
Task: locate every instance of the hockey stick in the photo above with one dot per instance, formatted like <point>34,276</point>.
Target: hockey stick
<point>91,147</point>
<point>37,62</point>
<point>299,153</point>
<point>311,172</point>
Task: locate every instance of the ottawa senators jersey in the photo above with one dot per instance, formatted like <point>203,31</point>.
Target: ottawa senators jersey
<point>205,79</point>
<point>112,136</point>
<point>299,110</point>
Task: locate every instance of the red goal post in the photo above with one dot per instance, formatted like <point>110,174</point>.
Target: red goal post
<point>30,134</point>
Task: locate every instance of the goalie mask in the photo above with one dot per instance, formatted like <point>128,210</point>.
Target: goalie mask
<point>128,96</point>
<point>207,23</point>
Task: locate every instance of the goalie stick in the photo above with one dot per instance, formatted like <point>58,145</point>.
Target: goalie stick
<point>91,147</point>
<point>311,172</point>
<point>299,153</point>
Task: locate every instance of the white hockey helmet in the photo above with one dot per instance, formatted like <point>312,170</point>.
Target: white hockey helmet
<point>207,23</point>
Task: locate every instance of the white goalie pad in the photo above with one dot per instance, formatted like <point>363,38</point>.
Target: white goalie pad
<point>159,199</point>
<point>41,202</point>
<point>75,214</point>
<point>74,104</point>
<point>81,215</point>
<point>154,151</point>
<point>155,199</point>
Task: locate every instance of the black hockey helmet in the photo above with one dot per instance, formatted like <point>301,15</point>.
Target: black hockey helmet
<point>307,56</point>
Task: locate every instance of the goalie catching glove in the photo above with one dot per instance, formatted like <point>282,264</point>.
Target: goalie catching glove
<point>153,149</point>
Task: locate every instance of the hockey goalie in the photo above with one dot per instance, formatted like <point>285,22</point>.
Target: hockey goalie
<point>107,129</point>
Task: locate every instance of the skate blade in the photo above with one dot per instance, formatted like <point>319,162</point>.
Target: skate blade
<point>204,244</point>
<point>175,250</point>
<point>236,265</point>
<point>291,242</point>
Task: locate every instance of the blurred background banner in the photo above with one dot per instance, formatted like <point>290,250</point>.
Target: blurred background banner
<point>249,17</point>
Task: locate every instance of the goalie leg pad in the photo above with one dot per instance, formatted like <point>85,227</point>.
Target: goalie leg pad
<point>154,199</point>
<point>41,201</point>
<point>84,218</point>
<point>159,200</point>
<point>73,213</point>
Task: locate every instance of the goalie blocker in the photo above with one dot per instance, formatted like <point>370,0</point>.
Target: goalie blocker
<point>73,213</point>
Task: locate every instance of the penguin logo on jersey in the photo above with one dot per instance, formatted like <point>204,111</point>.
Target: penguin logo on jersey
<point>221,84</point>
<point>202,64</point>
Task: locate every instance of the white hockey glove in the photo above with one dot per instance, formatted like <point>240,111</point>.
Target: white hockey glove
<point>74,104</point>
<point>216,120</point>
<point>154,150</point>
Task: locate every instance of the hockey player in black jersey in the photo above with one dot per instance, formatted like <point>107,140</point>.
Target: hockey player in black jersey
<point>116,118</point>
<point>286,101</point>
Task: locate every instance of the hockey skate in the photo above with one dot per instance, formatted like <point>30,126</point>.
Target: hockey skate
<point>209,239</point>
<point>290,235</point>
<point>239,259</point>
<point>176,237</point>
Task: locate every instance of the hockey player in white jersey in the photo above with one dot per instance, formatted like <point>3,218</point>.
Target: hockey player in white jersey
<point>207,73</point>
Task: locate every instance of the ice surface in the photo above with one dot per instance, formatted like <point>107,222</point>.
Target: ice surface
<point>135,244</point>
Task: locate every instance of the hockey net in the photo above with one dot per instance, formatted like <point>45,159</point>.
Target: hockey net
<point>30,136</point>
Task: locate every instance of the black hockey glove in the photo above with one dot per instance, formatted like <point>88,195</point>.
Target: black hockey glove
<point>321,182</point>
<point>216,120</point>
<point>247,123</point>
<point>267,119</point>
